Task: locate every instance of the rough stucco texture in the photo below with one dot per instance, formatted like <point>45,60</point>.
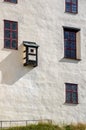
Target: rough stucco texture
<point>39,93</point>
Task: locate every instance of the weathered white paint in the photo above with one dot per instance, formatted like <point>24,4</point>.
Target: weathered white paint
<point>39,93</point>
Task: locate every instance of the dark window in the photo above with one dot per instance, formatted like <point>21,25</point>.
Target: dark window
<point>71,93</point>
<point>12,1</point>
<point>10,34</point>
<point>70,43</point>
<point>71,6</point>
<point>72,47</point>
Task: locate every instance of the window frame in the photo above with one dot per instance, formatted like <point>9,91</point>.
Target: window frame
<point>71,3</point>
<point>78,42</point>
<point>11,1</point>
<point>11,30</point>
<point>69,40</point>
<point>71,91</point>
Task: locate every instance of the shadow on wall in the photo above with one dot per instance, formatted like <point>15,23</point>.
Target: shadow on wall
<point>11,67</point>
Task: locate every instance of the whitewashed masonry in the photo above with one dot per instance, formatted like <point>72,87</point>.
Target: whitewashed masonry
<point>28,92</point>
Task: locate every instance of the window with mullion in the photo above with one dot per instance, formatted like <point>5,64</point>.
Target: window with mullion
<point>70,44</point>
<point>11,1</point>
<point>71,93</point>
<point>10,34</point>
<point>71,6</point>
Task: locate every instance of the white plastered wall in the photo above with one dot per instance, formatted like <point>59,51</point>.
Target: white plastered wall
<point>39,93</point>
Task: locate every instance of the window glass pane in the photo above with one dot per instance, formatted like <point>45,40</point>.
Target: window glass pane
<point>67,44</point>
<point>74,1</point>
<point>7,43</point>
<point>74,8</point>
<point>66,35</point>
<point>14,1</point>
<point>14,26</point>
<point>68,7</point>
<point>14,44</point>
<point>68,87</point>
<point>73,54</point>
<point>74,87</point>
<point>67,53</point>
<point>68,97</point>
<point>74,97</point>
<point>7,34</point>
<point>68,0</point>
<point>72,36</point>
<point>14,35</point>
<point>73,45</point>
<point>7,25</point>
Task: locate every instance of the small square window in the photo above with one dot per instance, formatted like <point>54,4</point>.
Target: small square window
<point>10,34</point>
<point>71,6</point>
<point>71,93</point>
<point>12,1</point>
